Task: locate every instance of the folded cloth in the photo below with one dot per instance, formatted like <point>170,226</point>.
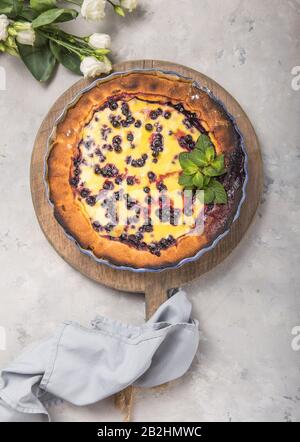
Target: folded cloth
<point>84,365</point>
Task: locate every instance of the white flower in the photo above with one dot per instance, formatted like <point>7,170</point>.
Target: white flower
<point>129,4</point>
<point>93,10</point>
<point>91,67</point>
<point>99,41</point>
<point>4,23</point>
<point>26,35</point>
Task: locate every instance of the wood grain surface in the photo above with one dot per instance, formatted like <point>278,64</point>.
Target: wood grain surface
<point>154,285</point>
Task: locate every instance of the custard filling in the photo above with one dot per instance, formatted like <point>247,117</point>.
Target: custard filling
<point>125,176</point>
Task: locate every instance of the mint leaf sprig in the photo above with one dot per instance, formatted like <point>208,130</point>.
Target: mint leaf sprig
<point>200,168</point>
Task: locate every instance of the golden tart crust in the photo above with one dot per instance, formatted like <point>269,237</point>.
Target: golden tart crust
<point>67,145</point>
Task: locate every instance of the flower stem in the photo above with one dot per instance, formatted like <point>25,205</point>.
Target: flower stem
<point>62,43</point>
<point>75,2</point>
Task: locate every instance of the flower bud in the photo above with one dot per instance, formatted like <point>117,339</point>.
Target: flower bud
<point>93,10</point>
<point>130,5</point>
<point>4,23</point>
<point>99,41</point>
<point>91,67</point>
<point>26,37</point>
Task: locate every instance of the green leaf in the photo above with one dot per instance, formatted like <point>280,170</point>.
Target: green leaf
<point>187,165</point>
<point>28,14</point>
<point>67,58</point>
<point>209,195</point>
<point>38,59</point>
<point>185,180</point>
<point>206,181</point>
<point>191,170</point>
<point>198,180</point>
<point>210,171</point>
<point>218,163</point>
<point>205,145</point>
<point>42,5</point>
<point>198,157</point>
<point>55,15</point>
<point>210,153</point>
<point>220,192</point>
<point>119,10</point>
<point>11,8</point>
<point>203,142</point>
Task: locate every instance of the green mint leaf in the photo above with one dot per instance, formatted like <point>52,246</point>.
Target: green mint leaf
<point>203,142</point>
<point>210,153</point>
<point>198,180</point>
<point>206,181</point>
<point>185,180</point>
<point>187,165</point>
<point>55,15</point>
<point>220,192</point>
<point>205,145</point>
<point>209,195</point>
<point>218,163</point>
<point>198,157</point>
<point>210,171</point>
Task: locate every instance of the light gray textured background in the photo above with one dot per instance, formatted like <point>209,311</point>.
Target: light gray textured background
<point>246,368</point>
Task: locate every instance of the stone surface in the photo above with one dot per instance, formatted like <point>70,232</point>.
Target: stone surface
<point>246,367</point>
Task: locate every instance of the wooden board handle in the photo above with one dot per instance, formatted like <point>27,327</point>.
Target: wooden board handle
<point>155,295</point>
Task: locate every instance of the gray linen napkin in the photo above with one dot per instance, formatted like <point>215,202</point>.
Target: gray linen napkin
<point>84,365</point>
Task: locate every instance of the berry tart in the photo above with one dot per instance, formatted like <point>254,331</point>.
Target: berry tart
<point>125,156</point>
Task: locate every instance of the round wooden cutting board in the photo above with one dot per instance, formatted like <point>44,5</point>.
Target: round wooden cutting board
<point>154,285</point>
<point>145,282</point>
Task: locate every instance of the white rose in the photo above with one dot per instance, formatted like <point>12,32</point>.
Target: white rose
<point>99,41</point>
<point>26,35</point>
<point>4,23</point>
<point>93,10</point>
<point>91,67</point>
<point>129,4</point>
